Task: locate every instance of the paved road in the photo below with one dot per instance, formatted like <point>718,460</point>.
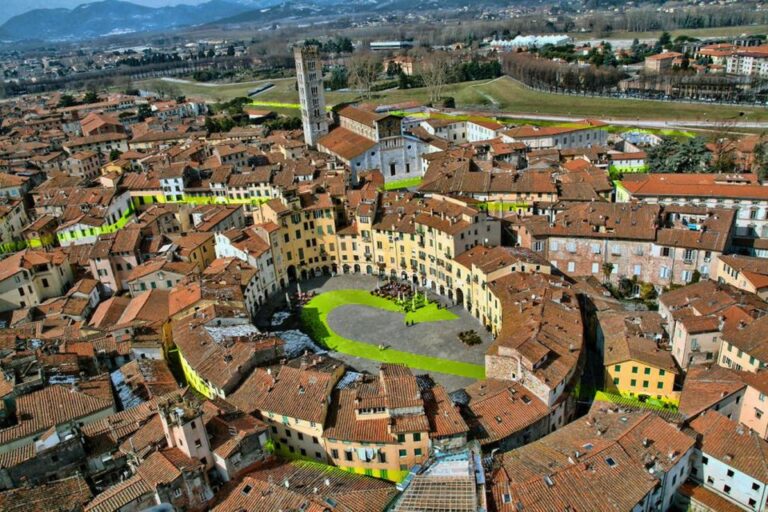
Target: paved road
<point>636,123</point>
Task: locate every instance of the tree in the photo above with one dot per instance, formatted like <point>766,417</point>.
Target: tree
<point>230,51</point>
<point>143,112</point>
<point>90,97</point>
<point>67,100</point>
<point>364,69</point>
<point>607,271</point>
<point>114,155</point>
<point>165,89</point>
<point>338,78</point>
<point>674,156</point>
<point>433,71</point>
<point>760,163</point>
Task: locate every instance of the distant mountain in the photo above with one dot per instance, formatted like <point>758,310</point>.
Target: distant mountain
<point>112,17</point>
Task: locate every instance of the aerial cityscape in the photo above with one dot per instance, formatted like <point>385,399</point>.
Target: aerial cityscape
<point>363,256</point>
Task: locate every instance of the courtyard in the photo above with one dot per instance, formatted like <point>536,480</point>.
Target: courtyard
<point>364,330</point>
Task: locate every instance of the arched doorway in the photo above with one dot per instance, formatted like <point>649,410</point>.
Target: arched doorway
<point>442,290</point>
<point>326,270</point>
<point>346,268</point>
<point>459,296</point>
<point>404,276</point>
<point>291,272</point>
<point>368,269</point>
<point>304,274</point>
<point>357,268</point>
<point>450,294</point>
<point>415,279</point>
<point>393,274</point>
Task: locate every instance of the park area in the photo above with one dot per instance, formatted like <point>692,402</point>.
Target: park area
<point>357,322</point>
<point>498,95</point>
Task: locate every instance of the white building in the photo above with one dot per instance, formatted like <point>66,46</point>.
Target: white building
<point>368,140</point>
<point>731,460</point>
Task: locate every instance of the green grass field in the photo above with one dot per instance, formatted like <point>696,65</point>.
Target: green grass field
<point>314,318</point>
<point>502,94</point>
<point>404,183</point>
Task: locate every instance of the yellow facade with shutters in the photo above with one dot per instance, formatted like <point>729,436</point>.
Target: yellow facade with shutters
<point>634,378</point>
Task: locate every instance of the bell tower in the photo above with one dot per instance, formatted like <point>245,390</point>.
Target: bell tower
<point>309,75</point>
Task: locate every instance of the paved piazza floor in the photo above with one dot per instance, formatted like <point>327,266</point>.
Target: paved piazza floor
<point>376,326</point>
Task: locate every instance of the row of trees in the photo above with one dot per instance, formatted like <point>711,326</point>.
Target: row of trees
<point>546,74</point>
<point>336,45</point>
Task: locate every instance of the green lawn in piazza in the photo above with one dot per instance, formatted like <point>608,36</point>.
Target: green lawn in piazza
<point>314,318</point>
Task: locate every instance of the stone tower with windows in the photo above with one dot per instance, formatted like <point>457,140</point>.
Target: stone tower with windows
<point>184,429</point>
<point>309,75</point>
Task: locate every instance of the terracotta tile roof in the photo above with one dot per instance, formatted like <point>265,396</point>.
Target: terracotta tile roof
<point>694,185</point>
<point>149,378</point>
<point>752,338</point>
<point>529,132</point>
<point>623,341</point>
<point>702,495</point>
<point>345,143</point>
<point>705,387</point>
<point>443,416</point>
<point>227,432</point>
<point>499,409</point>
<point>337,490</point>
<point>222,358</point>
<point>180,268</point>
<point>362,116</point>
<point>120,495</point>
<point>298,393</point>
<point>491,259</point>
<point>149,307</point>
<point>109,312</point>
<point>598,462</point>
<point>733,444</point>
<point>68,494</point>
<point>541,321</point>
<point>52,406</point>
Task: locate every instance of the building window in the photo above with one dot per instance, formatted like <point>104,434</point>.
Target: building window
<point>334,453</point>
<point>755,487</point>
<point>400,438</point>
<point>617,367</point>
<point>417,452</point>
<point>417,437</point>
<point>729,473</point>
<point>634,369</point>
<point>704,460</point>
<point>727,489</point>
<point>647,371</point>
<point>403,453</point>
<point>348,456</point>
<point>633,382</point>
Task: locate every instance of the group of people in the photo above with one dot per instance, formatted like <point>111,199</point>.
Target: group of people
<point>300,298</point>
<point>394,290</point>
